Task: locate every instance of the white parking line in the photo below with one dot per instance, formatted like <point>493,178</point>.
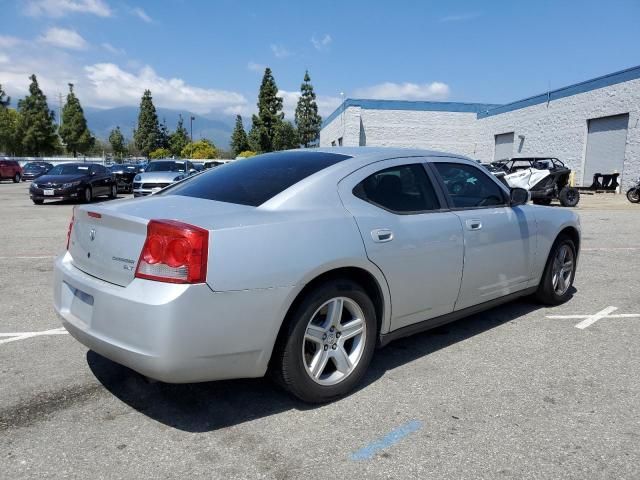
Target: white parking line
<point>12,337</point>
<point>591,319</point>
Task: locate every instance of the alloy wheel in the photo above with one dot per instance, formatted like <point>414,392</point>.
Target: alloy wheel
<point>562,270</point>
<point>334,341</point>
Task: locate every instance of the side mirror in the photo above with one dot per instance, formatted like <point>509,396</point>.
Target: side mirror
<point>192,171</point>
<point>519,196</point>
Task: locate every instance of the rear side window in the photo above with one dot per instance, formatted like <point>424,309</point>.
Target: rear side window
<point>403,189</point>
<point>255,180</point>
<point>470,187</point>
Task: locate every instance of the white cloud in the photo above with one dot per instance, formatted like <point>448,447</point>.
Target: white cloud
<point>280,51</point>
<point>60,8</point>
<point>111,49</point>
<point>141,14</point>
<point>4,58</point>
<point>110,85</point>
<point>405,91</point>
<point>326,104</point>
<point>463,17</point>
<point>7,41</point>
<point>64,38</point>
<point>256,67</point>
<point>323,43</point>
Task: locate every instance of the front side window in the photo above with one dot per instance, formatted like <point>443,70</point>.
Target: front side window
<point>402,189</point>
<point>470,187</point>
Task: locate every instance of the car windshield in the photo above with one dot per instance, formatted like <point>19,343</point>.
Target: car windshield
<point>165,167</point>
<point>257,179</point>
<point>33,167</point>
<point>69,170</point>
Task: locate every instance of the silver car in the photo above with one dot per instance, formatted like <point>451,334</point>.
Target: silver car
<point>159,174</point>
<point>302,262</point>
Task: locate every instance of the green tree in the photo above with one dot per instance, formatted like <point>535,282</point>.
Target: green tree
<point>8,124</point>
<point>147,133</point>
<point>178,139</point>
<point>163,137</point>
<point>247,154</point>
<point>36,129</point>
<point>160,153</point>
<point>307,119</point>
<point>239,141</point>
<point>5,101</point>
<point>201,149</point>
<point>269,114</point>
<point>285,137</point>
<point>74,131</point>
<point>116,139</point>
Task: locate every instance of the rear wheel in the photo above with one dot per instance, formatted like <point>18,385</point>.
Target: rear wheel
<point>569,197</point>
<point>542,201</point>
<point>87,195</point>
<point>38,201</point>
<point>559,272</point>
<point>114,191</point>
<point>325,348</point>
<point>633,195</point>
<point>16,178</point>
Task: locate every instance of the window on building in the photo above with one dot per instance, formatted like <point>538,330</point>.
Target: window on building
<point>470,187</point>
<point>333,143</point>
<point>403,189</point>
<point>340,142</point>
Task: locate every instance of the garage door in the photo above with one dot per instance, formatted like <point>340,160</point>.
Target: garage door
<point>504,146</point>
<point>606,144</point>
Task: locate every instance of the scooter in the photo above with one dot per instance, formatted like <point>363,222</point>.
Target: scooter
<point>633,194</point>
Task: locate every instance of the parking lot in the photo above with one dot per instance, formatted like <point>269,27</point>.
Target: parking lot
<point>510,393</point>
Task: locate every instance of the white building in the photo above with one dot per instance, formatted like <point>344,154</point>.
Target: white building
<point>593,126</point>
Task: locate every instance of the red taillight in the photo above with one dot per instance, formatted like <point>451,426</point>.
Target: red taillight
<point>174,252</point>
<point>73,217</point>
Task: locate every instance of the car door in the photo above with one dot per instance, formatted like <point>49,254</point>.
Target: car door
<point>416,243</point>
<point>499,240</point>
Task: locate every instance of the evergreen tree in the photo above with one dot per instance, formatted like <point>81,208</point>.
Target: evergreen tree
<point>178,139</point>
<point>307,118</point>
<point>36,129</point>
<point>269,113</point>
<point>163,138</point>
<point>4,100</point>
<point>74,131</point>
<point>285,137</point>
<point>239,141</point>
<point>147,134</point>
<point>8,124</point>
<point>116,139</point>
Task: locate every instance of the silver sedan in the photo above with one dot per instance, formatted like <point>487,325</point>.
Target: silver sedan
<point>302,262</point>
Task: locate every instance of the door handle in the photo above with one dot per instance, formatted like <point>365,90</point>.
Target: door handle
<point>474,224</point>
<point>381,235</point>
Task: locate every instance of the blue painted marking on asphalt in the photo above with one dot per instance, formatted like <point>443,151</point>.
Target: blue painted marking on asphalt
<point>388,440</point>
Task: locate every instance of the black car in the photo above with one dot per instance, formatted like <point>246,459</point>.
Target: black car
<point>124,176</point>
<point>33,170</point>
<point>75,181</point>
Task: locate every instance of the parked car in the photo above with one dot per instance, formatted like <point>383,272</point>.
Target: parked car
<point>214,163</point>
<point>74,181</point>
<point>301,262</point>
<point>10,169</point>
<point>33,170</point>
<point>124,175</point>
<point>159,174</point>
<point>547,178</point>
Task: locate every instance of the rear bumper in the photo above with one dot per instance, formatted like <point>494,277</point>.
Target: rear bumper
<point>170,332</point>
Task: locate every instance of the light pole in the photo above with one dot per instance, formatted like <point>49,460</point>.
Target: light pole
<point>191,119</point>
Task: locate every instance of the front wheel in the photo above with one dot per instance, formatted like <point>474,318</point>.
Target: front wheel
<point>633,195</point>
<point>559,272</point>
<point>16,178</point>
<point>569,197</point>
<point>114,191</point>
<point>87,195</point>
<point>325,347</point>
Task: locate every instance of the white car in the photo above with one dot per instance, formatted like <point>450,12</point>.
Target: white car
<point>159,174</point>
<point>301,262</point>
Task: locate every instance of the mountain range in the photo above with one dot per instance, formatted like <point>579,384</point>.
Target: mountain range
<point>216,129</point>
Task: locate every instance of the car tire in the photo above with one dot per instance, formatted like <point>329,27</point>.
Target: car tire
<point>542,201</point>
<point>87,195</point>
<point>341,358</point>
<point>16,178</point>
<point>37,201</point>
<point>557,279</point>
<point>569,197</point>
<point>114,191</point>
<point>633,195</point>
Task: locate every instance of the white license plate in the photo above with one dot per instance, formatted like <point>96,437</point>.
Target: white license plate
<point>49,193</point>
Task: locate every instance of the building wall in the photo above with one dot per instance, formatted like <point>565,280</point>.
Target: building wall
<point>345,125</point>
<point>559,128</point>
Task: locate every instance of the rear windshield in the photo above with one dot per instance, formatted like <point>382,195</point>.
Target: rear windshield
<point>165,167</point>
<point>255,180</point>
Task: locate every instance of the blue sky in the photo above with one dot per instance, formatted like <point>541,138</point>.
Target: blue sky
<point>208,56</point>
